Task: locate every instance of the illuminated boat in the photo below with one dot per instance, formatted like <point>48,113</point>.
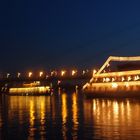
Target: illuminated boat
<point>30,89</point>
<point>114,84</point>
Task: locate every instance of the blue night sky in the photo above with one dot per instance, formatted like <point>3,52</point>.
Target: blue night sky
<point>66,33</point>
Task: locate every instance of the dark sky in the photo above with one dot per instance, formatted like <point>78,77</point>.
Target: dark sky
<point>66,33</point>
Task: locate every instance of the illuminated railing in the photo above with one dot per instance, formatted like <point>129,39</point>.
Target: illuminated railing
<point>117,74</point>
<point>120,59</point>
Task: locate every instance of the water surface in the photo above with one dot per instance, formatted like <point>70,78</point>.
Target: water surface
<point>68,116</point>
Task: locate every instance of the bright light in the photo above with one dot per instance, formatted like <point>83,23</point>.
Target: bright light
<point>47,76</point>
<point>94,71</point>
<point>136,78</point>
<point>108,65</point>
<point>18,75</point>
<point>103,79</point>
<point>53,73</point>
<point>63,72</point>
<point>107,79</point>
<point>129,78</point>
<point>30,74</point>
<point>8,74</point>
<point>73,72</point>
<point>40,73</point>
<point>123,79</point>
<point>113,79</point>
<point>84,72</point>
<point>58,82</point>
<point>114,85</point>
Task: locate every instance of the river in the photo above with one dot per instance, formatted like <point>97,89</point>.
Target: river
<point>68,116</point>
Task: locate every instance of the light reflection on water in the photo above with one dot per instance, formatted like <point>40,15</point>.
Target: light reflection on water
<point>68,116</point>
<point>114,119</point>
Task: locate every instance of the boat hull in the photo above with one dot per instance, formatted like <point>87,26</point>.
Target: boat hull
<point>114,90</point>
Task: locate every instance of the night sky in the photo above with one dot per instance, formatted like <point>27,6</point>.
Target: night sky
<point>42,34</point>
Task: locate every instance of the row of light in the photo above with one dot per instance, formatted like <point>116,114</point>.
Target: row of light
<point>122,79</point>
<point>73,72</point>
<point>41,73</point>
<point>63,73</point>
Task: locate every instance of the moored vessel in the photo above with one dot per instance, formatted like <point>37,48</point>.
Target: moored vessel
<point>124,83</point>
<point>33,88</point>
